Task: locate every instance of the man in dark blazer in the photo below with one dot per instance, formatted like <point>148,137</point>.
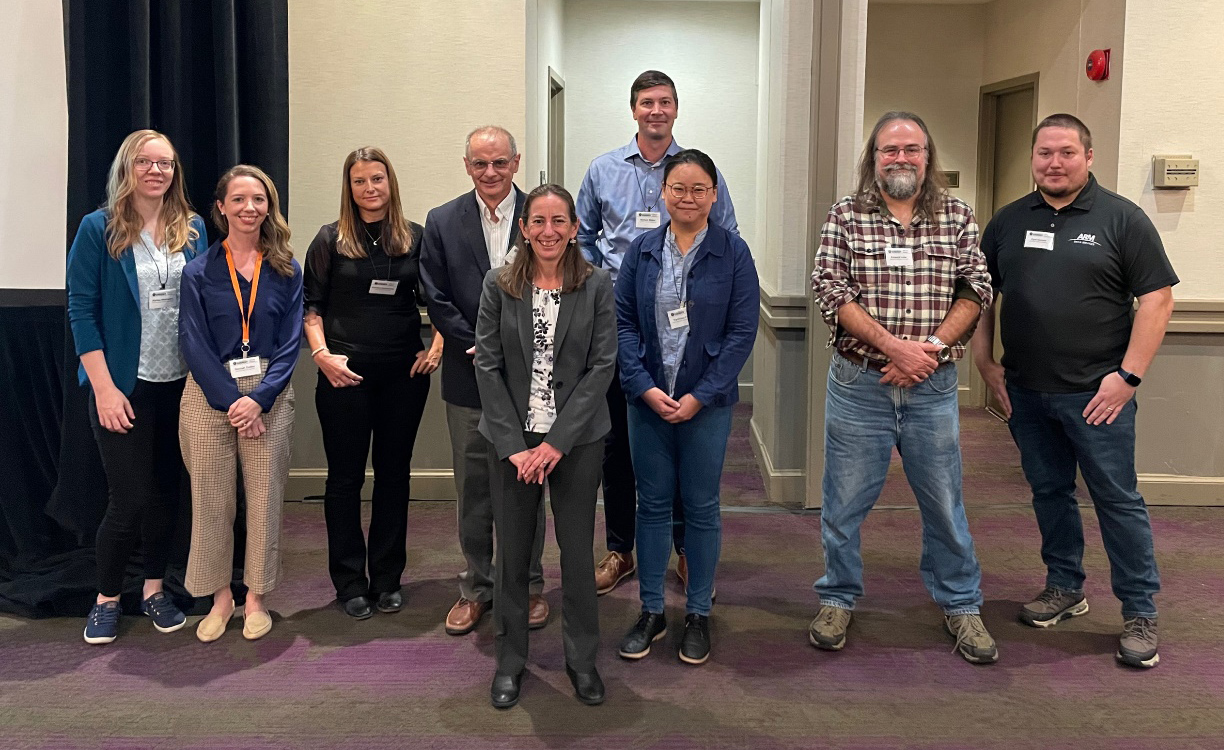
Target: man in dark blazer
<point>463,240</point>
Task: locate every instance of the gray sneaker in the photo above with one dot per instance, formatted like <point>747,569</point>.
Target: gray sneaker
<point>828,630</point>
<point>1137,646</point>
<point>1052,606</point>
<point>973,641</point>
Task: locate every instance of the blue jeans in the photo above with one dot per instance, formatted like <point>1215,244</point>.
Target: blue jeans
<point>864,421</point>
<point>685,458</point>
<point>1053,437</point>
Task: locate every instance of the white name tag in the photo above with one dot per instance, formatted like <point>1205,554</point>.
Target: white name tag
<point>160,299</point>
<point>1039,240</point>
<point>899,256</point>
<point>678,317</point>
<point>379,286</point>
<point>244,366</point>
<point>649,219</point>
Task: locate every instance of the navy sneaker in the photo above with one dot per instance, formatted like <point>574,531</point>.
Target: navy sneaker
<point>103,623</point>
<point>167,618</point>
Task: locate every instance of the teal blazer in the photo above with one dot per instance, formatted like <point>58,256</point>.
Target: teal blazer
<point>104,299</point>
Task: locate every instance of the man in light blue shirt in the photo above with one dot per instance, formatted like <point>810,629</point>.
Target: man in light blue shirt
<point>621,197</point>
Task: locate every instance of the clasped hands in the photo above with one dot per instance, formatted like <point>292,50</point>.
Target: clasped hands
<point>246,415</point>
<point>534,464</point>
<point>671,410</point>
<point>909,362</point>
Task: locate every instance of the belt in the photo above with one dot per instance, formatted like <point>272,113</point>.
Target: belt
<point>871,364</point>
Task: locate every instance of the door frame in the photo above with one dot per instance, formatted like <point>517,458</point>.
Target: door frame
<point>555,158</point>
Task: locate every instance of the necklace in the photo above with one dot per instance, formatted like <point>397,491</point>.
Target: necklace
<point>374,240</point>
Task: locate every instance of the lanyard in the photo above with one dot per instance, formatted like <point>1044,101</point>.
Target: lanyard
<point>156,267</point>
<point>246,313</point>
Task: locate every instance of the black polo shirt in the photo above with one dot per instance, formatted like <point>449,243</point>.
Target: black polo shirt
<point>1069,278</point>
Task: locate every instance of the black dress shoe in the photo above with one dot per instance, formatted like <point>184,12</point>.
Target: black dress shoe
<point>504,692</point>
<point>390,602</point>
<point>358,608</point>
<point>695,646</point>
<point>649,628</point>
<point>587,686</point>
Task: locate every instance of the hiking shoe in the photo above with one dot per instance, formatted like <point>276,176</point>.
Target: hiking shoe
<point>695,646</point>
<point>828,630</point>
<point>102,625</point>
<point>1137,646</point>
<point>1052,606</point>
<point>973,641</point>
<point>166,617</point>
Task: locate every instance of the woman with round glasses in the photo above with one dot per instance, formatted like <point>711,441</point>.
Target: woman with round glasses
<point>686,311</point>
<point>363,325</point>
<point>124,271</point>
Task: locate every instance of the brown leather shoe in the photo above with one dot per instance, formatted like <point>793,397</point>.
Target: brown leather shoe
<point>682,574</point>
<point>614,568</point>
<point>537,613</point>
<point>465,616</point>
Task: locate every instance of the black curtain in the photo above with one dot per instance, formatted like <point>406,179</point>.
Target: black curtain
<point>213,75</point>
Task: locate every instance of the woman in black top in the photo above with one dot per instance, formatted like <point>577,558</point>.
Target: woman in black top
<point>363,323</point>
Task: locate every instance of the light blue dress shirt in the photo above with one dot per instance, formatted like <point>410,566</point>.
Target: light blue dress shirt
<point>670,295</point>
<point>617,185</point>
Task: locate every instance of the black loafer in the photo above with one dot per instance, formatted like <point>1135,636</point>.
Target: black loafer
<point>695,646</point>
<point>504,692</point>
<point>358,608</point>
<point>390,602</point>
<point>649,628</point>
<point>587,686</point>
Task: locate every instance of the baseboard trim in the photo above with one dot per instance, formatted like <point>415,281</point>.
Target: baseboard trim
<point>782,486</point>
<point>427,484</point>
<point>1174,489</point>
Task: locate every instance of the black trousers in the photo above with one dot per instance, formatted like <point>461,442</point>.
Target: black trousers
<point>571,489</point>
<point>386,406</point>
<point>619,487</point>
<point>143,470</point>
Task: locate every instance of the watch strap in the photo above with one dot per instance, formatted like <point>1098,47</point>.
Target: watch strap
<point>1131,378</point>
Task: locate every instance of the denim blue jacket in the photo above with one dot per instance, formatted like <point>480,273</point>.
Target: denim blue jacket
<point>724,300</point>
<point>103,299</point>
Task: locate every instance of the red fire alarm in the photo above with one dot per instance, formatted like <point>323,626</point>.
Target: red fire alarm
<point>1097,67</point>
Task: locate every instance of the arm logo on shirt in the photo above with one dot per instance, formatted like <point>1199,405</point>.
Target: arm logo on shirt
<point>1086,239</point>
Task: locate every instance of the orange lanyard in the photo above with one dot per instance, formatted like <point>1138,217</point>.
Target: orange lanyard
<point>246,314</point>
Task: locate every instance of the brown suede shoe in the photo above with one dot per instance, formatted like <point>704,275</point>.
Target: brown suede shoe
<point>465,616</point>
<point>682,574</point>
<point>614,568</point>
<point>537,613</point>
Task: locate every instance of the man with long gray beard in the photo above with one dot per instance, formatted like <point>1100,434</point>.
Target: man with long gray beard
<point>901,282</point>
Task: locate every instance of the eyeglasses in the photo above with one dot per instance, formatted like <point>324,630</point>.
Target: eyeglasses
<point>699,192</point>
<point>892,152</point>
<point>481,165</point>
<point>144,165</point>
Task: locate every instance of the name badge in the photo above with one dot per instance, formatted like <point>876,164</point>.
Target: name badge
<point>379,286</point>
<point>1039,240</point>
<point>678,317</point>
<point>899,256</point>
<point>244,367</point>
<point>160,299</point>
<point>649,219</point>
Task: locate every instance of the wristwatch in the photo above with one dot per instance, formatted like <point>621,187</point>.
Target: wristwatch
<point>1131,378</point>
<point>945,352</point>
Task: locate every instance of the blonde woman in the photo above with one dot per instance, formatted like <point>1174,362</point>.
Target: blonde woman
<point>363,324</point>
<point>240,330</point>
<point>123,280</point>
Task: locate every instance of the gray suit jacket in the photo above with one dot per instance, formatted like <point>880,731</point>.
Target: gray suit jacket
<point>584,350</point>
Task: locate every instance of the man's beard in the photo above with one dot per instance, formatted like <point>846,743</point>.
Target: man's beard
<point>900,181</point>
<point>1062,192</point>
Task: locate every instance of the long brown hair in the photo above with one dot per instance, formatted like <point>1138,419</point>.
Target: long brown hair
<point>518,275</point>
<point>395,229</point>
<point>931,192</point>
<point>273,232</point>
<point>123,223</point>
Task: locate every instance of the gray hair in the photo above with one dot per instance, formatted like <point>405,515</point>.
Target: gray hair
<point>489,130</point>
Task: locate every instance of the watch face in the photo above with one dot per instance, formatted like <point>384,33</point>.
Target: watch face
<point>945,354</point>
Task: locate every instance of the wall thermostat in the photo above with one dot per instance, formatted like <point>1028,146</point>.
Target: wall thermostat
<point>1174,171</point>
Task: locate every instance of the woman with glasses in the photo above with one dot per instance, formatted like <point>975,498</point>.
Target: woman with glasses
<point>123,277</point>
<point>686,311</point>
<point>363,325</point>
<point>240,331</point>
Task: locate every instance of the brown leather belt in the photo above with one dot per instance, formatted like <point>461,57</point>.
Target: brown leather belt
<point>871,364</point>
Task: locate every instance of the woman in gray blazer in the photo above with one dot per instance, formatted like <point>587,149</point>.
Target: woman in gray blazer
<point>545,354</point>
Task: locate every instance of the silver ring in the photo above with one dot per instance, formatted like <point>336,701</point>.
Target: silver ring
<point>1109,408</point>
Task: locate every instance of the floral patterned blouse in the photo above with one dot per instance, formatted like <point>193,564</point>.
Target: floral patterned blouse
<point>542,403</point>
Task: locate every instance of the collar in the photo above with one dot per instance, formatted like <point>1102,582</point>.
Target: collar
<point>1082,202</point>
<point>504,210</point>
<point>633,150</point>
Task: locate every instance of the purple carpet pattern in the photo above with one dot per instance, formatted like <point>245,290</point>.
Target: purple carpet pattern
<point>322,680</point>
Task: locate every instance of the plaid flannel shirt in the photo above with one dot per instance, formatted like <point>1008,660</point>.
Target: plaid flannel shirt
<point>910,302</point>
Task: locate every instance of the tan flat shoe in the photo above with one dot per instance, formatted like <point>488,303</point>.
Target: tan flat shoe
<point>213,625</point>
<point>256,625</point>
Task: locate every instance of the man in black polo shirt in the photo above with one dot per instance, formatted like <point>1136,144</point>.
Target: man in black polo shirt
<point>1069,260</point>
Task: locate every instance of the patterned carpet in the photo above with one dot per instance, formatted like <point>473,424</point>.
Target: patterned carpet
<point>321,680</point>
